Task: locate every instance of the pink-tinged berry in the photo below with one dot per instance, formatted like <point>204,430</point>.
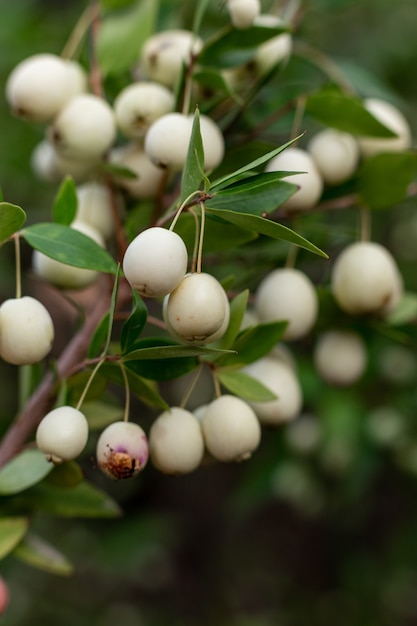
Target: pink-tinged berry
<point>122,450</point>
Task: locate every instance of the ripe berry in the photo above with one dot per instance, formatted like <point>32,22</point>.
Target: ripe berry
<point>139,104</point>
<point>84,129</point>
<point>39,86</point>
<point>392,118</point>
<point>283,382</point>
<point>336,155</point>
<point>149,176</point>
<point>309,181</point>
<point>231,429</point>
<point>176,442</point>
<point>155,262</point>
<point>340,357</point>
<point>164,54</point>
<point>243,12</point>
<point>62,434</point>
<point>67,276</point>
<point>276,49</point>
<point>26,331</point>
<point>122,450</point>
<point>365,279</point>
<point>197,310</point>
<point>288,294</point>
<point>94,208</point>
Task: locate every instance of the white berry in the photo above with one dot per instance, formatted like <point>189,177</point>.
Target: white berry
<point>197,309</point>
<point>26,331</point>
<point>94,207</point>
<point>122,450</point>
<point>336,155</point>
<point>148,176</point>
<point>62,434</point>
<point>365,279</point>
<point>164,53</point>
<point>340,357</point>
<point>288,294</point>
<point>243,12</point>
<point>84,129</point>
<point>310,182</point>
<point>67,276</point>
<point>155,262</point>
<point>231,429</point>
<point>392,118</point>
<point>281,379</point>
<point>176,442</point>
<point>276,49</point>
<point>40,85</point>
<point>139,104</point>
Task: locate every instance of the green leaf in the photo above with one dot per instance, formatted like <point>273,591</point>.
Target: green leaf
<point>262,193</point>
<point>168,351</point>
<point>37,552</point>
<point>68,474</point>
<point>200,9</point>
<point>231,47</point>
<point>23,471</point>
<point>112,309</point>
<point>82,500</point>
<point>12,530</point>
<point>69,246</point>
<point>266,227</point>
<point>383,180</point>
<point>405,312</point>
<point>244,386</point>
<point>12,218</point>
<point>134,324</point>
<point>65,202</point>
<point>253,343</point>
<point>237,311</point>
<point>145,390</point>
<point>99,338</point>
<point>228,179</point>
<point>122,35</point>
<point>193,172</point>
<point>334,108</point>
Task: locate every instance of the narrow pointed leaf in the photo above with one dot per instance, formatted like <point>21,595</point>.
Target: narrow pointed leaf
<point>244,386</point>
<point>65,203</point>
<point>237,311</point>
<point>383,180</point>
<point>113,304</point>
<point>99,338</point>
<point>23,471</point>
<point>83,500</point>
<point>253,343</point>
<point>256,195</point>
<point>37,552</point>
<point>12,530</point>
<point>134,324</point>
<point>12,218</point>
<point>193,171</point>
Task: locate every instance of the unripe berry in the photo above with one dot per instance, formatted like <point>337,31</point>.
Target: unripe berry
<point>392,118</point>
<point>39,86</point>
<point>288,294</point>
<point>336,155</point>
<point>310,181</point>
<point>164,53</point>
<point>243,12</point>
<point>149,176</point>
<point>231,429</point>
<point>155,262</point>
<point>139,104</point>
<point>340,357</point>
<point>122,450</point>
<point>84,129</point>
<point>176,442</point>
<point>67,276</point>
<point>197,310</point>
<point>275,50</point>
<point>26,331</point>
<point>281,379</point>
<point>94,208</point>
<point>62,434</point>
<point>365,279</point>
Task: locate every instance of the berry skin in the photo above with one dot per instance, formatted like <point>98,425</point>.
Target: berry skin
<point>94,208</point>
<point>26,331</point>
<point>392,118</point>
<point>288,294</point>
<point>164,53</point>
<point>336,155</point>
<point>197,311</point>
<point>67,276</point>
<point>84,129</point>
<point>155,262</point>
<point>365,279</point>
<point>231,429</point>
<point>281,379</point>
<point>62,434</point>
<point>309,181</point>
<point>340,357</point>
<point>275,50</point>
<point>122,450</point>
<point>40,85</point>
<point>176,442</point>
<point>243,12</point>
<point>139,104</point>
<point>149,176</point>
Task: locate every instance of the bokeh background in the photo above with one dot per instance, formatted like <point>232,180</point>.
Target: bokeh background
<point>319,527</point>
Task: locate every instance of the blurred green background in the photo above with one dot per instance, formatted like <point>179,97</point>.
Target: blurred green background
<point>319,527</point>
